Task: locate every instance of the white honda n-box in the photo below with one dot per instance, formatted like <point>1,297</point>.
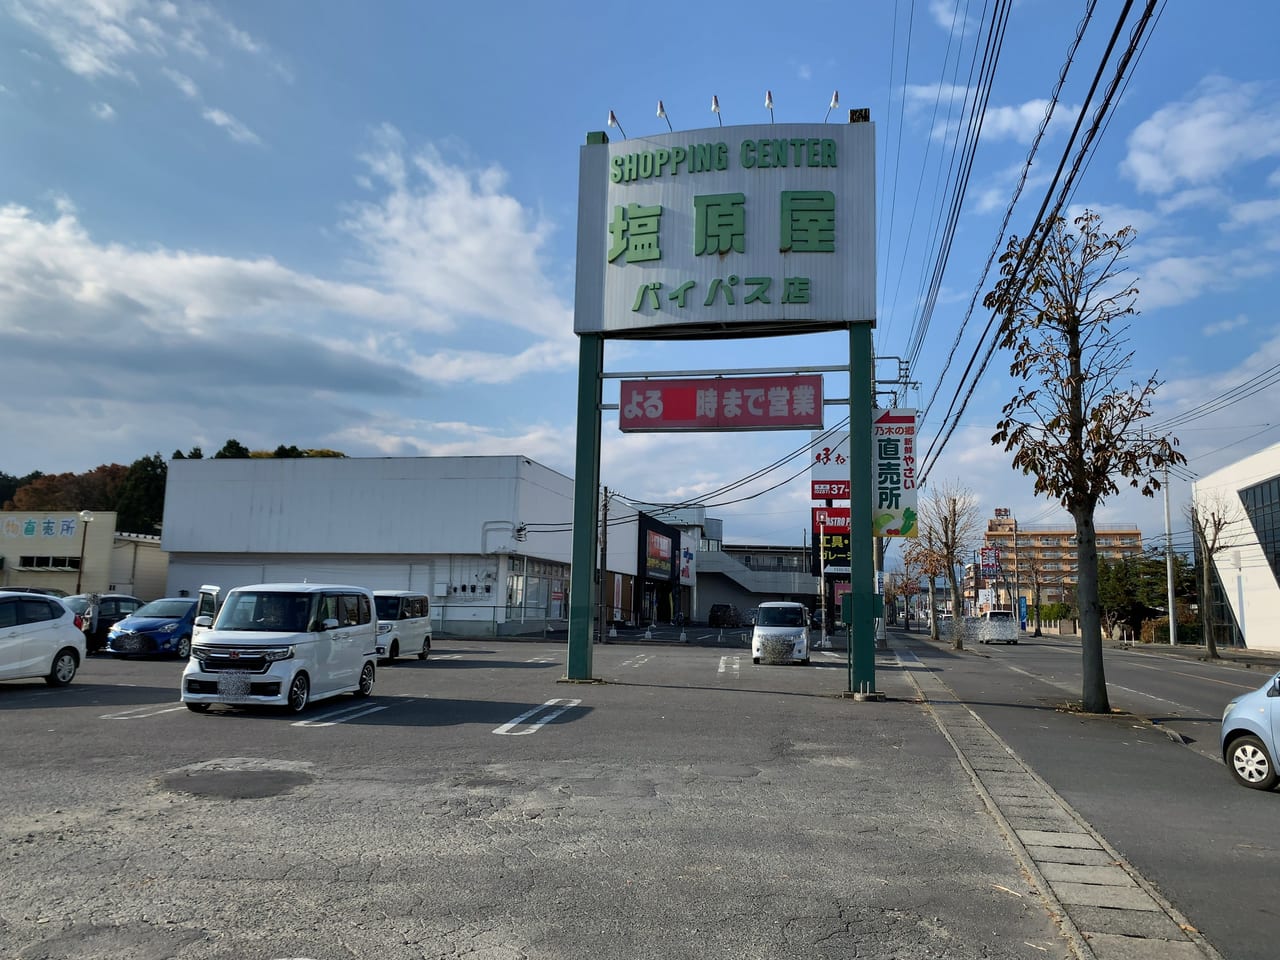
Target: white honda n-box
<point>284,644</point>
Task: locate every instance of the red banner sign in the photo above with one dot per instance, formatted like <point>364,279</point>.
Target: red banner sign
<point>721,403</point>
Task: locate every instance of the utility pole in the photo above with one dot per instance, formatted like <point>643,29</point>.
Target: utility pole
<point>603,573</point>
<point>1168,563</point>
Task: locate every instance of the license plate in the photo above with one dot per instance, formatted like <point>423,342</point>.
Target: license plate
<point>233,685</point>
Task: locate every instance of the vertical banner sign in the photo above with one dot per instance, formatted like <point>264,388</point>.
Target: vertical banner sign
<point>893,445</point>
<point>893,470</point>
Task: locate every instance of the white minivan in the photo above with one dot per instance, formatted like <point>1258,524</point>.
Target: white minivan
<point>404,623</point>
<point>284,644</point>
<point>781,633</point>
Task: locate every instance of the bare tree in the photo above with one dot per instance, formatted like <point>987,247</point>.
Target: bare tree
<point>920,554</point>
<point>1210,515</point>
<point>949,517</point>
<point>1077,429</point>
<point>1035,573</point>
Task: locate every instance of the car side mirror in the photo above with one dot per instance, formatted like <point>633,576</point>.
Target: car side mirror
<point>204,621</point>
<point>330,623</point>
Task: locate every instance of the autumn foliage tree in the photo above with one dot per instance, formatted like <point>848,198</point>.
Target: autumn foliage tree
<point>1074,424</point>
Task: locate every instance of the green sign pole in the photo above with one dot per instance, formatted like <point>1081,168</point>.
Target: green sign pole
<point>586,506</point>
<point>862,628</point>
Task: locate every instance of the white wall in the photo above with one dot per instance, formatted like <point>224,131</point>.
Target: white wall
<point>1241,565</point>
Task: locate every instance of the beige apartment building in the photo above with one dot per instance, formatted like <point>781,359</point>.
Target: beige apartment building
<point>1044,552</point>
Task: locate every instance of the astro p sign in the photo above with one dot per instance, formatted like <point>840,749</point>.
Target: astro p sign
<point>721,403</point>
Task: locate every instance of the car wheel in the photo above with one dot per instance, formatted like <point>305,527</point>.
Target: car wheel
<point>394,651</point>
<point>1250,764</point>
<point>804,662</point>
<point>755,659</point>
<point>197,707</point>
<point>299,693</point>
<point>366,681</point>
<point>425,651</point>
<point>63,668</point>
<point>184,648</point>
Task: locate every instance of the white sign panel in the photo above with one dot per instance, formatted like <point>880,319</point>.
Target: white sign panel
<point>770,227</point>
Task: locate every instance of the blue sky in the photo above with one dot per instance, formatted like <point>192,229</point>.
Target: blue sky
<point>353,225</point>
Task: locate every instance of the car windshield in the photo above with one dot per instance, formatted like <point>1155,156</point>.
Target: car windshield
<point>1000,615</point>
<point>388,607</point>
<point>77,604</point>
<point>272,611</point>
<point>781,617</point>
<point>165,609</point>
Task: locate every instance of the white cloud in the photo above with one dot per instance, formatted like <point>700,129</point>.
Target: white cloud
<point>236,130</point>
<point>1017,122</point>
<point>99,39</point>
<point>103,111</point>
<point>183,83</point>
<point>1199,140</point>
<point>255,349</point>
<point>486,253</point>
<point>1252,213</point>
<point>1178,279</point>
<point>1021,121</point>
<point>946,14</point>
<point>1226,326</point>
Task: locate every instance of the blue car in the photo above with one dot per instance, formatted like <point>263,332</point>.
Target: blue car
<point>1250,725</point>
<point>159,627</point>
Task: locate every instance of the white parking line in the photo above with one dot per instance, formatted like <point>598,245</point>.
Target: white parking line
<point>137,713</point>
<point>636,661</point>
<point>730,664</point>
<point>556,707</point>
<point>447,656</point>
<point>543,660</point>
<point>338,716</point>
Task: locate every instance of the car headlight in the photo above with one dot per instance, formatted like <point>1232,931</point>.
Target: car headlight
<point>1229,707</point>
<point>277,653</point>
<point>169,628</point>
<point>384,628</point>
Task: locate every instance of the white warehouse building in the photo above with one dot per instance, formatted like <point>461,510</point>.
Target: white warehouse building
<point>1247,567</point>
<point>487,538</point>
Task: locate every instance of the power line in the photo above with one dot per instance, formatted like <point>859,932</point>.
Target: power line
<point>1043,225</point>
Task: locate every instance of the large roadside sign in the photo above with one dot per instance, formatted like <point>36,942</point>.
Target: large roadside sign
<point>727,232</point>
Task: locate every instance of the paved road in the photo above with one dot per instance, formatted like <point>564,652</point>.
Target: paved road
<point>1169,808</point>
<point>693,805</point>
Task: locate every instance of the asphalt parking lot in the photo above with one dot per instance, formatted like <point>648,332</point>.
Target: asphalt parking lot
<point>689,805</point>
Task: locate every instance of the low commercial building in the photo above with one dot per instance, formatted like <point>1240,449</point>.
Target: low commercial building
<point>489,539</point>
<point>79,552</point>
<point>1246,565</point>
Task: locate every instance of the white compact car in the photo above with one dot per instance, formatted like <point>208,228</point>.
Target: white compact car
<point>781,633</point>
<point>39,637</point>
<point>284,644</point>
<point>404,623</point>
